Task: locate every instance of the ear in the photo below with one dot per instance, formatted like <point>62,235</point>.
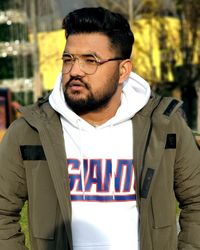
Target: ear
<point>124,70</point>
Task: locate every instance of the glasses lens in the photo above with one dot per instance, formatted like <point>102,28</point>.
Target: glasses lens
<point>88,64</point>
<point>67,63</point>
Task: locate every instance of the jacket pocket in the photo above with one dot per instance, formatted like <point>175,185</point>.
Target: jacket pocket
<point>42,200</point>
<point>163,209</point>
<point>164,234</point>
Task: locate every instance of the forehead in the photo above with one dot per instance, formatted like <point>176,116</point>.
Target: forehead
<point>89,43</point>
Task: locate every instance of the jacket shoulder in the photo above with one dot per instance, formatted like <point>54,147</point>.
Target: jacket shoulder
<point>170,105</point>
<point>20,130</point>
<point>162,106</point>
<point>37,105</point>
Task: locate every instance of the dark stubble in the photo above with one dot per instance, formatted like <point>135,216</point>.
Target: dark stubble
<point>90,102</point>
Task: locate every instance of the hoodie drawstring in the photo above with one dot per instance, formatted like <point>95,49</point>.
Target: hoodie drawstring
<point>112,186</point>
<point>82,158</point>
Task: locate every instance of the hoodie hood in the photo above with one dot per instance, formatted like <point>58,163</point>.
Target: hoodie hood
<point>135,94</point>
<point>101,170</point>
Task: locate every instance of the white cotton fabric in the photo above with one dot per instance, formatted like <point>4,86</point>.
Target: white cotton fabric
<point>99,224</point>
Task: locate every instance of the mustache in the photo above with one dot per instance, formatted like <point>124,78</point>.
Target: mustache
<point>76,81</point>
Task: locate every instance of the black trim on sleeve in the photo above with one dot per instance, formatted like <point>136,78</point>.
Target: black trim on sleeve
<point>32,152</point>
<point>170,141</point>
<point>147,182</point>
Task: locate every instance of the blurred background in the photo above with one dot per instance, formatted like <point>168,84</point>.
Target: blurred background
<point>166,51</point>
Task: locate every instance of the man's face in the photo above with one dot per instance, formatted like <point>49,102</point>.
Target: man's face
<point>88,92</point>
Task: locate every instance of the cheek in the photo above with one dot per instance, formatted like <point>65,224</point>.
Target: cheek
<point>64,80</point>
<point>101,87</point>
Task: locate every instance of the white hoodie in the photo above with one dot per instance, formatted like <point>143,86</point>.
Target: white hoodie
<point>101,170</point>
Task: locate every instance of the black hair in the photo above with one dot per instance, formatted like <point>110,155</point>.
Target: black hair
<point>101,20</point>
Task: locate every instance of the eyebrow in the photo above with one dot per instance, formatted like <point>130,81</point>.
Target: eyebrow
<point>84,54</point>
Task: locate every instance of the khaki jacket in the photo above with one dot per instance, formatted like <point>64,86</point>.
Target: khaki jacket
<point>167,168</point>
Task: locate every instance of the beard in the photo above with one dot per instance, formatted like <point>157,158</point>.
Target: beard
<point>91,101</point>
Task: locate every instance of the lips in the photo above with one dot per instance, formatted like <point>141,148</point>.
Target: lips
<point>76,85</point>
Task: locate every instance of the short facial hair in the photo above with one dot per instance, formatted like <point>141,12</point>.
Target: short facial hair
<point>90,103</point>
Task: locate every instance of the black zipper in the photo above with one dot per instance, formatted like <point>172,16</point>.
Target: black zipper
<point>146,146</point>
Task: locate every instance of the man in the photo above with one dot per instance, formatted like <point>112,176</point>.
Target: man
<point>102,160</point>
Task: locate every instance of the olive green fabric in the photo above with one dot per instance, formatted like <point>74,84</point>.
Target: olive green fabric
<point>167,169</point>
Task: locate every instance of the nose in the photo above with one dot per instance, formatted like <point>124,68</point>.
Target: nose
<point>75,70</point>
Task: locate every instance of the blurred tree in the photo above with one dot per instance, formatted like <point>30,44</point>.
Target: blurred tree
<point>187,75</point>
<point>127,8</point>
<point>183,61</point>
<point>179,54</point>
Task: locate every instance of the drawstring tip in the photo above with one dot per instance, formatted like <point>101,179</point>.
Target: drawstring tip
<point>113,196</point>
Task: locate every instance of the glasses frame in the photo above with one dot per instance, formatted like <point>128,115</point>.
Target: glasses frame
<point>97,61</point>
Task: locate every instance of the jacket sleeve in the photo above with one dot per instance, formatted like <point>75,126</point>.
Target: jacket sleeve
<point>13,192</point>
<point>187,188</point>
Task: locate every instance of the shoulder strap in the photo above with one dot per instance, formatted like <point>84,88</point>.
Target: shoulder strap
<point>172,107</point>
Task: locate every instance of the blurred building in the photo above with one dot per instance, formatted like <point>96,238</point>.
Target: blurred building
<point>21,21</point>
<point>16,71</point>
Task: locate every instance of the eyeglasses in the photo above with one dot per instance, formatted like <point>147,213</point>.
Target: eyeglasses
<point>88,63</point>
